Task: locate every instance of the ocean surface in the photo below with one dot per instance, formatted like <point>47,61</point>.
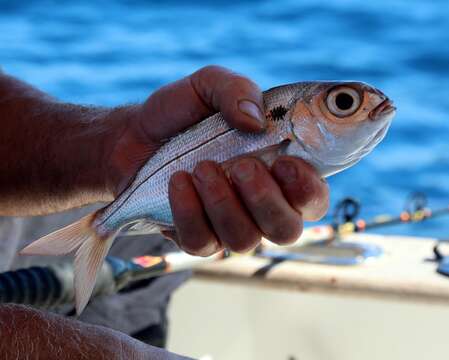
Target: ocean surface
<point>117,52</point>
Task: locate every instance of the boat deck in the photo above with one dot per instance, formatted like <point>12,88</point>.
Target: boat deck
<point>404,271</point>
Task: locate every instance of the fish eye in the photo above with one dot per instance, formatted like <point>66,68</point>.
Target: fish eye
<point>343,101</point>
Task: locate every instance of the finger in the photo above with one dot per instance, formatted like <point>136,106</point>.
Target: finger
<point>173,236</point>
<point>263,198</point>
<point>238,98</point>
<point>231,222</point>
<point>302,186</point>
<point>211,89</point>
<point>193,233</point>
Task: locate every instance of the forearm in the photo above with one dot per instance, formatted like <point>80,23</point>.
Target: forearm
<point>52,154</point>
<point>30,334</point>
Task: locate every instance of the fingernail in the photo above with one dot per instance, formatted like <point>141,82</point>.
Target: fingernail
<point>244,170</point>
<point>205,172</point>
<point>315,209</point>
<point>179,181</point>
<point>286,171</point>
<point>251,109</point>
<point>211,248</point>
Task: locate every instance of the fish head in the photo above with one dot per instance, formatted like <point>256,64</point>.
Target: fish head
<point>335,124</point>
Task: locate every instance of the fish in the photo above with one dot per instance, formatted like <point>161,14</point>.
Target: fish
<point>329,124</point>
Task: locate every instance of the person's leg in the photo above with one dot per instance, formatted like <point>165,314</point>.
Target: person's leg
<point>156,334</point>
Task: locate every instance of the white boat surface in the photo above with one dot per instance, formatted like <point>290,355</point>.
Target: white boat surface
<point>395,306</point>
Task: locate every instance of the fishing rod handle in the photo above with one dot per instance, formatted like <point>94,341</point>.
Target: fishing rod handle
<point>51,286</point>
<point>36,286</point>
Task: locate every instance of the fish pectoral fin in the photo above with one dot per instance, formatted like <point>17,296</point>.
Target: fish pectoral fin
<point>170,233</point>
<point>268,155</point>
<point>145,227</point>
<point>91,249</point>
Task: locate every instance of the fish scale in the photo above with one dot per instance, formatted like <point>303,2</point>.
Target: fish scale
<point>211,139</point>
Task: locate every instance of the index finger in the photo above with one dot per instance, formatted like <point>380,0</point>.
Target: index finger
<point>211,89</point>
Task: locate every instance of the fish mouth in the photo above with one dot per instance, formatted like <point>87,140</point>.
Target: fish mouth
<point>385,108</point>
<point>379,136</point>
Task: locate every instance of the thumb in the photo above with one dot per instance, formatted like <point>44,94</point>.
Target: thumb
<point>183,103</point>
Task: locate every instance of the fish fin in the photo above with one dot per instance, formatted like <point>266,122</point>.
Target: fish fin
<point>170,234</point>
<point>62,241</point>
<point>146,227</point>
<point>267,155</point>
<point>88,260</point>
<point>91,249</point>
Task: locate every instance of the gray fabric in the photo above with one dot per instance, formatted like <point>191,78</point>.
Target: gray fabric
<point>128,312</point>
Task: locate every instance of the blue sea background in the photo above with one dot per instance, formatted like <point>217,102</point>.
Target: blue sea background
<point>118,52</point>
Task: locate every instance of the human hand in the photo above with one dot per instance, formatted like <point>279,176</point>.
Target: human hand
<point>209,213</point>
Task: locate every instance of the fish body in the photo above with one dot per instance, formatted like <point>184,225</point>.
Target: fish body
<point>211,139</point>
<point>331,125</point>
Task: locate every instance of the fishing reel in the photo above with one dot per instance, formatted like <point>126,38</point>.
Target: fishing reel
<point>345,217</point>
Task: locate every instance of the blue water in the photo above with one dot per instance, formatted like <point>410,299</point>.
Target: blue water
<point>111,52</point>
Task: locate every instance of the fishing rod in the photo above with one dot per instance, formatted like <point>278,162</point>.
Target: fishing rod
<point>51,286</point>
<point>322,244</point>
<point>346,222</point>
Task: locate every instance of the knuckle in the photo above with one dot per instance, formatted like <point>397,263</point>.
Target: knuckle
<point>212,68</point>
<point>205,171</point>
<point>184,213</point>
<point>240,84</point>
<point>212,185</point>
<point>205,80</point>
<point>179,181</point>
<point>253,182</point>
<point>208,75</point>
<point>272,212</point>
<point>216,195</point>
<point>260,196</point>
<point>217,199</point>
<point>204,163</point>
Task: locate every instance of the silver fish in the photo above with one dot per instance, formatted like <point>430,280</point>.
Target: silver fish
<point>331,125</point>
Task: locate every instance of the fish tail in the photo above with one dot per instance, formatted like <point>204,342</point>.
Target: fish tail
<point>91,248</point>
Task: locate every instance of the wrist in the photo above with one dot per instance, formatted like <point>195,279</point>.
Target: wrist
<point>57,155</point>
<point>121,147</point>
